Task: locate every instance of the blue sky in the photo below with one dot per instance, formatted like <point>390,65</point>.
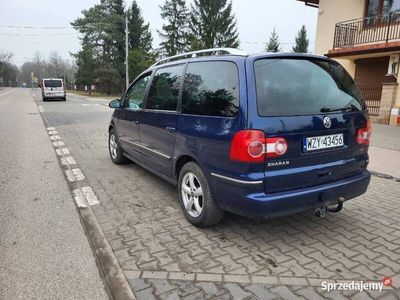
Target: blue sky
<point>255,19</point>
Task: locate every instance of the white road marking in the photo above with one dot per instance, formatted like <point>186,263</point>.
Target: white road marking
<point>78,174</point>
<point>74,175</point>
<point>65,150</point>
<point>91,104</point>
<point>70,176</point>
<point>6,93</point>
<point>90,196</point>
<point>41,109</point>
<point>70,160</point>
<point>84,195</point>
<point>79,198</point>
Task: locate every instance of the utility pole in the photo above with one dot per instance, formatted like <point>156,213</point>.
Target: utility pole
<point>65,82</point>
<point>126,50</point>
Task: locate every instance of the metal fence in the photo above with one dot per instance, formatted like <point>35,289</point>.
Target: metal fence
<point>382,28</point>
<point>372,94</point>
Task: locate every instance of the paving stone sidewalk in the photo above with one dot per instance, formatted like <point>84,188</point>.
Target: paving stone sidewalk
<point>384,151</point>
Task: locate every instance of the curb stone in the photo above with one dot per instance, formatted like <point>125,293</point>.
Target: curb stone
<point>383,175</point>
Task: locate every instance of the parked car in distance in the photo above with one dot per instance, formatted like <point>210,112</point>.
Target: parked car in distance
<point>53,88</point>
<point>257,135</point>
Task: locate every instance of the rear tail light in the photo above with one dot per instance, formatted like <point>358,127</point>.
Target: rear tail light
<point>253,146</point>
<point>364,134</point>
<point>275,147</point>
<point>248,146</point>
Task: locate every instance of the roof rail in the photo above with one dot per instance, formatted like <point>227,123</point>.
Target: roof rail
<point>212,51</point>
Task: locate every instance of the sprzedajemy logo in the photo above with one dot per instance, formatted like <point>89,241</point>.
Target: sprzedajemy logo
<point>356,285</point>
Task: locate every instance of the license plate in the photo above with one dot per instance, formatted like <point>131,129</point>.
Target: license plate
<point>323,142</point>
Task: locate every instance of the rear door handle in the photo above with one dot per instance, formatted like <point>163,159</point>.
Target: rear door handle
<point>170,129</point>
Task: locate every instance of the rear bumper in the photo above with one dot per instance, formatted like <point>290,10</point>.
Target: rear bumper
<point>54,95</point>
<point>241,200</point>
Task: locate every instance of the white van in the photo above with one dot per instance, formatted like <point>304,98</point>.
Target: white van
<point>53,88</point>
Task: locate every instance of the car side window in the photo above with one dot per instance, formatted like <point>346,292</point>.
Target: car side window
<point>135,96</point>
<point>211,88</point>
<point>164,89</point>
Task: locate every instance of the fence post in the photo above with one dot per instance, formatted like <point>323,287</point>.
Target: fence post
<point>388,29</point>
<point>335,36</point>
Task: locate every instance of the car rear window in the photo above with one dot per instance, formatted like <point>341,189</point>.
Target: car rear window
<point>287,87</point>
<point>52,83</point>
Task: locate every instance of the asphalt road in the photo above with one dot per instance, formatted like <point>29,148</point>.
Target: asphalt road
<point>44,253</point>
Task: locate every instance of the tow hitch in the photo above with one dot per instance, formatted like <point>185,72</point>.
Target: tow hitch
<point>321,211</point>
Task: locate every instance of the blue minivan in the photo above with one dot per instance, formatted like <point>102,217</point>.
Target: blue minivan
<point>257,135</point>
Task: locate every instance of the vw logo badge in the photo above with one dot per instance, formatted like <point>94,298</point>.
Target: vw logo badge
<point>327,122</point>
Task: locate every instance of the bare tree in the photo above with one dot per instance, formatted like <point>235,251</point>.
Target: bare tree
<point>5,57</point>
<point>8,71</point>
<point>39,64</point>
<point>54,66</point>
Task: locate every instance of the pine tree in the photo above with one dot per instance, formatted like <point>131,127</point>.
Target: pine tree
<point>301,41</point>
<point>139,33</point>
<point>273,43</point>
<point>102,28</point>
<point>174,32</point>
<point>212,24</point>
<point>86,64</point>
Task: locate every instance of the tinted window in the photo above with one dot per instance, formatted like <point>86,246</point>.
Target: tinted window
<point>164,90</point>
<point>52,83</point>
<point>288,87</point>
<point>135,95</point>
<point>211,88</point>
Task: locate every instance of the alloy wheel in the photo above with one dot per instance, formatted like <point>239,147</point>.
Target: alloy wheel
<point>192,194</point>
<point>113,146</point>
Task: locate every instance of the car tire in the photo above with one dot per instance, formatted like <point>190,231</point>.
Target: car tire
<point>115,150</point>
<point>199,206</point>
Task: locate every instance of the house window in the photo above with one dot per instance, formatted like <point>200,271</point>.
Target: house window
<point>373,8</point>
<point>381,7</point>
<point>389,6</point>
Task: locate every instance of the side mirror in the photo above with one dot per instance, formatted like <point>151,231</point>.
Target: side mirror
<point>115,104</point>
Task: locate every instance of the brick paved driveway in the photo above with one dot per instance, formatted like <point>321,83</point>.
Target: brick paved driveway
<point>164,257</point>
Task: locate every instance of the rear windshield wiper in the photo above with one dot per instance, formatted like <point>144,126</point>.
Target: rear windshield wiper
<point>344,109</point>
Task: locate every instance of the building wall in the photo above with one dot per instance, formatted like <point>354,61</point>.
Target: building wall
<point>331,12</point>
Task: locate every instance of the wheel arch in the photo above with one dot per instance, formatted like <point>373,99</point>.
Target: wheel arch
<point>180,162</point>
<point>111,126</point>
